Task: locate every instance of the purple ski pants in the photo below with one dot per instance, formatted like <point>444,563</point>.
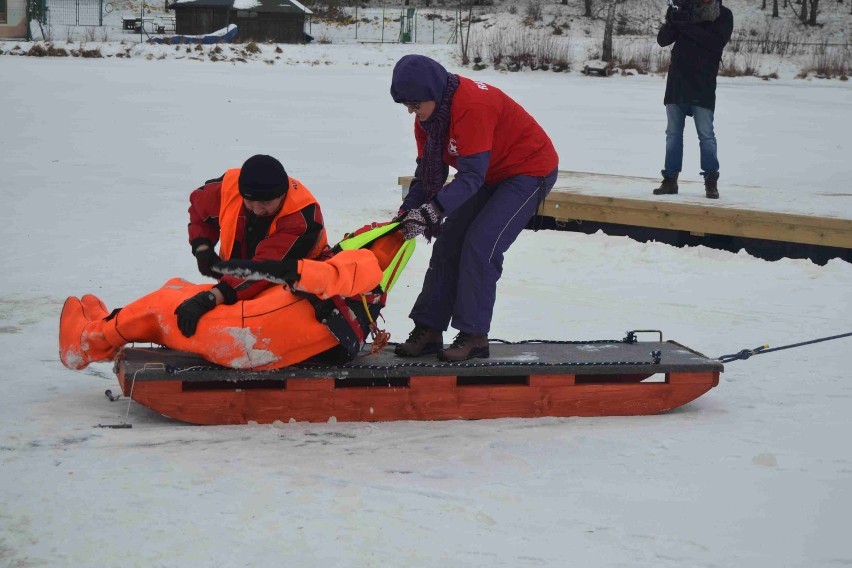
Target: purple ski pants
<point>467,258</point>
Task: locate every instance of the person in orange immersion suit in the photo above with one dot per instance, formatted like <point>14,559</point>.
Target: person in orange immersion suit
<point>261,218</point>
<point>277,328</point>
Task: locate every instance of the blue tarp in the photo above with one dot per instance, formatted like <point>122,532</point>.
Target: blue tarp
<point>224,35</point>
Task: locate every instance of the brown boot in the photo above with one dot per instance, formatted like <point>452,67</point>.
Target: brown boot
<point>668,186</point>
<point>711,188</point>
<point>421,341</point>
<point>466,346</point>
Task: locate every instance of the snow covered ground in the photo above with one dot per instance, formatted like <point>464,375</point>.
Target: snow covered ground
<point>98,158</point>
<point>762,45</point>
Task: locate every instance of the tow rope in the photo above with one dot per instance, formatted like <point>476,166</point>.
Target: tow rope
<point>746,353</point>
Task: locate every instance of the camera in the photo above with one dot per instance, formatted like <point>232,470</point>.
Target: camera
<point>681,11</point>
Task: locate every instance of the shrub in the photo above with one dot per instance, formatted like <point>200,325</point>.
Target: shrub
<point>56,51</point>
<point>830,62</point>
<point>37,50</point>
<point>534,10</point>
<point>516,48</point>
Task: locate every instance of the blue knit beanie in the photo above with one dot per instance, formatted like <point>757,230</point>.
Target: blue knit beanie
<point>418,78</point>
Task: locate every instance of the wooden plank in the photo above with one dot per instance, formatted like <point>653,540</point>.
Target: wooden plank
<point>546,395</point>
<point>564,203</point>
<point>693,378</point>
<point>433,382</point>
<point>310,384</point>
<point>783,227</point>
<point>551,380</point>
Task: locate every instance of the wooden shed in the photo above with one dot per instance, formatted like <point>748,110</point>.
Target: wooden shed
<point>280,21</point>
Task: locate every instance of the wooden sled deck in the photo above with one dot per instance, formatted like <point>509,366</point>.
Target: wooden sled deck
<point>600,378</point>
<point>754,218</point>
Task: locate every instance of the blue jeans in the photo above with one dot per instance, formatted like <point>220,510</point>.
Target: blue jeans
<point>676,114</point>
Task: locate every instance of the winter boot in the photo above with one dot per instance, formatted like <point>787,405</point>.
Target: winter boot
<point>81,333</point>
<point>72,322</point>
<point>421,341</point>
<point>710,187</point>
<point>93,307</point>
<point>668,186</point>
<point>466,346</point>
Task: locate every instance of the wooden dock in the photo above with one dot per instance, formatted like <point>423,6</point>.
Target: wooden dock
<point>588,202</point>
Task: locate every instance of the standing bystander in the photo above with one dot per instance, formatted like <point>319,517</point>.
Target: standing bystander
<point>699,30</point>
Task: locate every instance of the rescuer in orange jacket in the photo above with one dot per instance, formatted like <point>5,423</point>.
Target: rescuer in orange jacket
<point>256,212</point>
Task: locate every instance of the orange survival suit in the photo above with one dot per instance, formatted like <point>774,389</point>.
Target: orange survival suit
<point>277,328</point>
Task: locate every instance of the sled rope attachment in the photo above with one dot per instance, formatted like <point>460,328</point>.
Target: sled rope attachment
<point>746,353</point>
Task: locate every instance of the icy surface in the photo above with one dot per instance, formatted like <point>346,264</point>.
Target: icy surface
<point>98,158</point>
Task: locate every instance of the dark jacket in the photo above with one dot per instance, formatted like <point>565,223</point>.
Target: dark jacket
<point>696,55</point>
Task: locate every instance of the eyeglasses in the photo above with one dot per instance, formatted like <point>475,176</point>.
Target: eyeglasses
<point>412,106</point>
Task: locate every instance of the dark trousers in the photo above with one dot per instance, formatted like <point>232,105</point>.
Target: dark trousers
<point>467,258</point>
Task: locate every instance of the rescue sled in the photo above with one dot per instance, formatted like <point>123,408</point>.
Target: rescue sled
<point>527,379</point>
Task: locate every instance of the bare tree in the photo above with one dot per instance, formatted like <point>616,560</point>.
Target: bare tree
<point>774,8</point>
<point>464,35</point>
<point>588,6</point>
<point>608,26</point>
<point>803,13</point>
<point>814,10</point>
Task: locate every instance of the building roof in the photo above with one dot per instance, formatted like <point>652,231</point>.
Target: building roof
<point>264,6</point>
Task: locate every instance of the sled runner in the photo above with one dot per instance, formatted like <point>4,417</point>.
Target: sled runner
<point>528,379</point>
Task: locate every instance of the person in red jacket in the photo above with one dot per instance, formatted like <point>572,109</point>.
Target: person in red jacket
<point>505,166</point>
<point>256,212</point>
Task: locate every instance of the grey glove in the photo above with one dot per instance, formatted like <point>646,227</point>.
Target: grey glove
<point>421,221</point>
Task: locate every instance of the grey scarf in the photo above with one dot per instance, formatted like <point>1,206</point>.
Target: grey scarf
<point>707,12</point>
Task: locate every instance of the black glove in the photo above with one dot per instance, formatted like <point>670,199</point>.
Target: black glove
<point>675,18</point>
<point>191,310</point>
<point>278,271</point>
<point>205,259</point>
<point>421,221</point>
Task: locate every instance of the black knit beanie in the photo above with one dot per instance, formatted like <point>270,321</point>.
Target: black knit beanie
<point>262,178</point>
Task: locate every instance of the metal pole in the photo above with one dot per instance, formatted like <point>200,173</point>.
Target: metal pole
<point>383,23</point>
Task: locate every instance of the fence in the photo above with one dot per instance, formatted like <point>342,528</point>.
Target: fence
<point>385,25</point>
<point>75,12</point>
